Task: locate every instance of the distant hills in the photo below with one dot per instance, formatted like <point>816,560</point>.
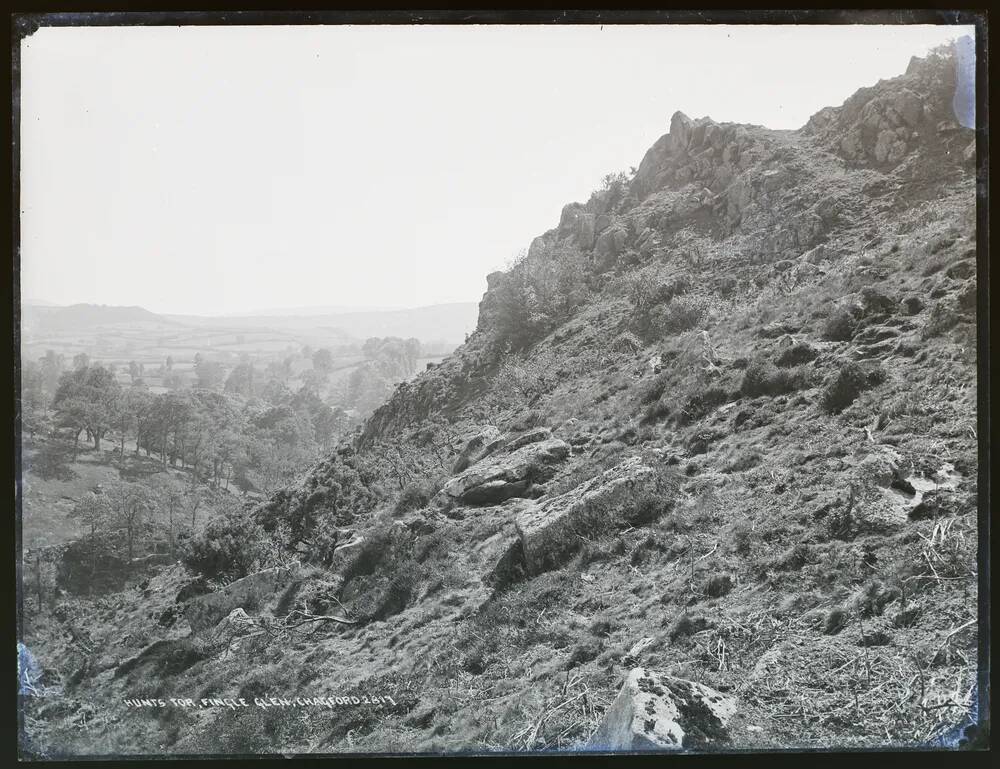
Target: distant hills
<point>441,322</point>
<point>81,317</point>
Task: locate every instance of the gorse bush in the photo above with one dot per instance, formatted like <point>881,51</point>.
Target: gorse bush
<point>538,293</point>
<point>763,378</point>
<point>338,491</point>
<point>626,343</point>
<point>648,294</point>
<point>659,409</point>
<point>681,314</point>
<point>653,389</point>
<point>231,545</point>
<point>702,403</point>
<point>852,379</point>
<point>614,189</point>
<point>796,355</point>
<point>414,496</point>
<point>840,326</point>
<point>943,317</point>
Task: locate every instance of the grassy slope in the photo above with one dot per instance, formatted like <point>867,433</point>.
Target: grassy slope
<point>830,630</point>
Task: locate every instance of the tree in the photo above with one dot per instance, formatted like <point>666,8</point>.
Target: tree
<point>133,370</point>
<point>324,420</point>
<point>34,414</point>
<point>133,408</point>
<point>275,392</point>
<point>371,347</point>
<point>86,400</point>
<point>131,507</point>
<point>412,348</point>
<point>519,320</point>
<point>173,501</point>
<point>313,379</point>
<point>170,362</point>
<point>323,360</point>
<point>165,424</point>
<point>367,387</point>
<point>281,444</point>
<point>53,365</point>
<point>232,542</point>
<point>95,512</point>
<point>81,360</point>
<point>277,372</point>
<point>173,381</point>
<point>537,294</point>
<point>123,412</point>
<point>240,380</point>
<point>209,374</point>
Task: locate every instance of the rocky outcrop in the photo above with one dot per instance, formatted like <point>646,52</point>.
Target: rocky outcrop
<point>548,528</point>
<point>165,657</point>
<point>882,124</point>
<point>236,623</point>
<point>255,590</point>
<point>535,435</point>
<point>482,444</point>
<point>609,245</point>
<point>658,712</point>
<point>489,306</point>
<point>507,476</point>
<point>194,588</point>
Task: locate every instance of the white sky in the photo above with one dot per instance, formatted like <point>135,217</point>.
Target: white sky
<point>227,169</point>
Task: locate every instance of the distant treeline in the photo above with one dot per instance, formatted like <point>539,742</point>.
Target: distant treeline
<point>249,426</point>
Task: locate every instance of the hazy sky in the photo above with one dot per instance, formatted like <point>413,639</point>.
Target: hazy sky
<point>227,169</point>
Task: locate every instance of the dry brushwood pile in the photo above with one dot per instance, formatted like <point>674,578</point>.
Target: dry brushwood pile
<point>718,424</point>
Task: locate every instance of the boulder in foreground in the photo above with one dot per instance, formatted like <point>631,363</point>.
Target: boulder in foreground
<point>512,475</point>
<point>549,529</point>
<point>659,712</point>
<point>254,590</point>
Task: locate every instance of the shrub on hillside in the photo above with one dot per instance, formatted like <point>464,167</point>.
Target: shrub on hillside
<point>796,355</point>
<point>740,536</point>
<point>231,544</point>
<point>840,326</point>
<point>657,499</point>
<point>681,314</point>
<point>763,378</point>
<point>943,317</point>
<point>648,295</point>
<point>626,343</point>
<point>415,495</point>
<point>657,410</point>
<point>701,403</point>
<point>718,585</point>
<point>537,294</point>
<point>653,389</point>
<point>852,379</point>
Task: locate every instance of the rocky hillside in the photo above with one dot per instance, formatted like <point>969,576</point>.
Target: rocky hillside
<point>704,477</point>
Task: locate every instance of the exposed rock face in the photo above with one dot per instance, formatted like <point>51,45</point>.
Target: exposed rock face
<point>234,623</point>
<point>659,712</point>
<point>880,125</point>
<point>482,444</point>
<point>161,658</point>
<point>548,528</point>
<point>488,306</point>
<point>194,588</point>
<point>610,244</point>
<point>507,476</point>
<point>254,590</point>
<point>535,435</point>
